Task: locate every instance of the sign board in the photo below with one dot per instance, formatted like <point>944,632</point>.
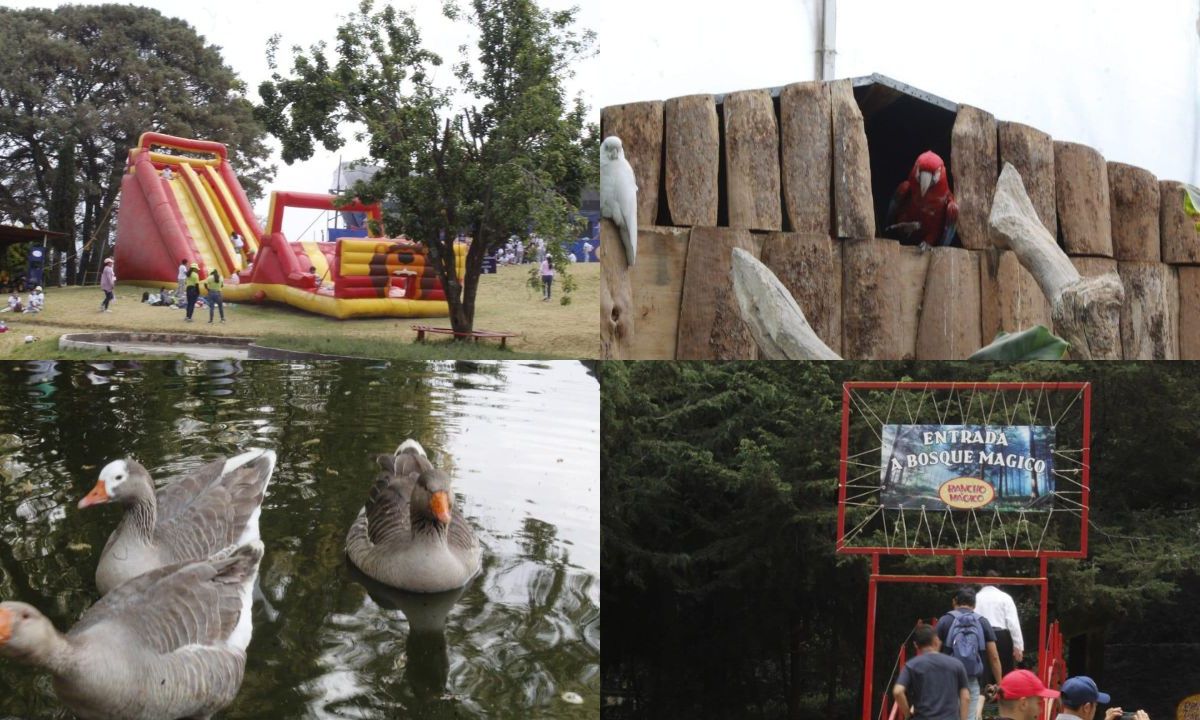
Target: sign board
<point>967,467</point>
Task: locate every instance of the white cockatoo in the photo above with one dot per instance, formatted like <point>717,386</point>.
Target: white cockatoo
<point>618,193</point>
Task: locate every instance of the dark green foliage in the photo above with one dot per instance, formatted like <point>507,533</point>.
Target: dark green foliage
<point>719,495</point>
<point>505,153</point>
<point>81,83</point>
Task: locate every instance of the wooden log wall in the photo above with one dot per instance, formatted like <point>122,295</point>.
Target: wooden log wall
<point>787,177</point>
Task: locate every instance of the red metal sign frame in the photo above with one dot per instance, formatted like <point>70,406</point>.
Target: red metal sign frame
<point>1085,481</point>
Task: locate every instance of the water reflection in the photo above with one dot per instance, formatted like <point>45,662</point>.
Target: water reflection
<point>520,439</point>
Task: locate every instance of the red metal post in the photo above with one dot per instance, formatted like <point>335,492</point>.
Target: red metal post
<point>1042,618</point>
<point>1087,466</point>
<point>869,671</point>
<point>841,521</point>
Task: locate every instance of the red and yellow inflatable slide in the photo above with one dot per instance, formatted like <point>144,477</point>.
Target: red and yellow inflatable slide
<point>190,212</point>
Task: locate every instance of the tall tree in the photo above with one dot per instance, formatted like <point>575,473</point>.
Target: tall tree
<point>80,84</point>
<point>504,153</point>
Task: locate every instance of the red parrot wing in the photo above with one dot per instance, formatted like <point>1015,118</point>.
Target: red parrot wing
<point>951,225</point>
<point>897,201</point>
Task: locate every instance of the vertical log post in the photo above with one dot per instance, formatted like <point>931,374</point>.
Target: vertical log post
<point>657,280</point>
<point>1081,195</point>
<point>854,207</point>
<point>1031,152</point>
<point>640,127</point>
<point>810,268</point>
<point>616,295</point>
<point>710,324</point>
<point>693,159</point>
<point>973,158</point>
<point>752,161</point>
<point>805,120</point>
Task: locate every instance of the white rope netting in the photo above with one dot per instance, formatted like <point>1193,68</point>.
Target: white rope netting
<point>1051,522</point>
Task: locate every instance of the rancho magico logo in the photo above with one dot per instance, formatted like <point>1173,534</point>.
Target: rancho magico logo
<point>966,493</point>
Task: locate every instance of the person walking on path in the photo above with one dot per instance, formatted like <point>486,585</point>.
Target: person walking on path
<point>547,277</point>
<point>932,686</point>
<point>182,277</point>
<point>193,289</point>
<point>999,609</point>
<point>108,283</point>
<point>213,285</point>
<point>970,638</point>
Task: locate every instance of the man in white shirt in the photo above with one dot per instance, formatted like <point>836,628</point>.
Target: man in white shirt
<point>998,607</point>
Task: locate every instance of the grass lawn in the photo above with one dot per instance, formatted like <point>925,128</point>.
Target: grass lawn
<point>505,302</point>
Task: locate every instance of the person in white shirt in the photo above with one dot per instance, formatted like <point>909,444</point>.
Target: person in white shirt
<point>998,607</point>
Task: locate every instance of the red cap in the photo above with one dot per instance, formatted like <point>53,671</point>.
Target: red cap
<point>1022,684</point>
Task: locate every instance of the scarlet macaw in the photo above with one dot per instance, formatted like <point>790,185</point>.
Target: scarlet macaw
<point>923,209</point>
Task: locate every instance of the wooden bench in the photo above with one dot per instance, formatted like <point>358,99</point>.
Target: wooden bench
<point>476,335</point>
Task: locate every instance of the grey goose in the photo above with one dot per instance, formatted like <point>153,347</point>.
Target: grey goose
<point>209,511</point>
<point>410,535</point>
<point>170,643</point>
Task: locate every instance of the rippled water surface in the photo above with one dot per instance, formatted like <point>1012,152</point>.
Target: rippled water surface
<point>520,440</point>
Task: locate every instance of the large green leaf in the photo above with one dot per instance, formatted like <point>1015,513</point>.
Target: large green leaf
<point>1036,343</point>
<point>1191,201</point>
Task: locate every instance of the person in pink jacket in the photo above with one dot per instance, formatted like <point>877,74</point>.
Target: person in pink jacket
<point>108,282</point>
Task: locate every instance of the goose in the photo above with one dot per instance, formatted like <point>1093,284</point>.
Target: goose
<point>409,535</point>
<point>214,508</point>
<point>170,643</point>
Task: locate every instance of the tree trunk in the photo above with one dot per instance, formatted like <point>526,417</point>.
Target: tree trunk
<point>460,295</point>
<point>1086,311</point>
<point>86,253</point>
<point>795,679</point>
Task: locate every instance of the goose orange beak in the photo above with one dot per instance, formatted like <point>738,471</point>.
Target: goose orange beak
<point>97,496</point>
<point>6,623</point>
<point>441,506</point>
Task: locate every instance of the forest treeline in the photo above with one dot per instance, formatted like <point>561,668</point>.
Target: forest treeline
<point>719,506</point>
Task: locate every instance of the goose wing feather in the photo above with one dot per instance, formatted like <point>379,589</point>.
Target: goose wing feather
<point>191,603</point>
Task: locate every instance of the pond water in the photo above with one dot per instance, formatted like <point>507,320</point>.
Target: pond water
<point>521,441</point>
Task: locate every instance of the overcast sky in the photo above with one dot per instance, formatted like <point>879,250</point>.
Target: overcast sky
<point>1122,77</point>
<point>241,29</point>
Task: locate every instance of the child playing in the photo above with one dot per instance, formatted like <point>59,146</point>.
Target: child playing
<point>37,300</point>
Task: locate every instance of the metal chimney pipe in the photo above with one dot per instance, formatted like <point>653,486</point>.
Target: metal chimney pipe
<point>826,40</point>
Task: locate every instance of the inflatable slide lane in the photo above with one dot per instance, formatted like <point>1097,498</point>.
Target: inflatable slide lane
<point>180,201</point>
<point>353,277</point>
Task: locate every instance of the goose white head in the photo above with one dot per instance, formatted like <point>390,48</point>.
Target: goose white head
<point>118,480</point>
<point>24,631</point>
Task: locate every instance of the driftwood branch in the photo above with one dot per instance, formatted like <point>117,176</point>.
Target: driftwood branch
<point>772,314</point>
<point>1086,311</point>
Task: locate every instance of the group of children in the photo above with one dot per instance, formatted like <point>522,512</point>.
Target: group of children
<point>35,304</point>
<point>189,288</point>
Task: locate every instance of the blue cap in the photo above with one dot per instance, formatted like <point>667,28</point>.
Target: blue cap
<point>1080,690</point>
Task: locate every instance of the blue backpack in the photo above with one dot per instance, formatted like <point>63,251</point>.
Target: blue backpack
<point>966,641</point>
